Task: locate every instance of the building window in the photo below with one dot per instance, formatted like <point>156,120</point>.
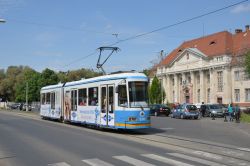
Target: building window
<point>173,81</point>
<point>237,95</point>
<point>180,80</point>
<point>236,75</point>
<point>208,95</point>
<point>219,59</point>
<point>189,79</point>
<point>247,92</point>
<point>220,81</point>
<point>246,76</point>
<point>187,56</point>
<point>199,95</point>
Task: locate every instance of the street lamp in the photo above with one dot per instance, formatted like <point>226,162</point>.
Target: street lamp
<point>2,20</point>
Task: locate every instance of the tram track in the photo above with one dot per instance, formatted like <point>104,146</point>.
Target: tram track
<point>216,149</point>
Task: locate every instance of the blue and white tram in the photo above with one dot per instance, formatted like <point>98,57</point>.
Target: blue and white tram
<point>118,101</point>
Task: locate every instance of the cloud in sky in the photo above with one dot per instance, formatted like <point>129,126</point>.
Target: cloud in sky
<point>241,8</point>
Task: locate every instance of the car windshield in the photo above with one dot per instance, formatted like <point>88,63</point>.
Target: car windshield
<point>191,107</point>
<point>214,107</point>
<point>138,94</point>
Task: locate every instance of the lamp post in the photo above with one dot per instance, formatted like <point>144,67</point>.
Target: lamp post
<point>2,20</point>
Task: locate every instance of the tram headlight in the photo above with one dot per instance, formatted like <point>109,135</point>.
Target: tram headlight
<point>132,118</point>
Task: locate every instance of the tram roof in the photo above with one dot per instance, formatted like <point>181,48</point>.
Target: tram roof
<point>117,76</point>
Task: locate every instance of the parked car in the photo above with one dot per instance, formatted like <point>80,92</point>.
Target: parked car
<point>29,107</point>
<point>186,111</point>
<point>15,106</point>
<point>159,109</point>
<point>213,110</point>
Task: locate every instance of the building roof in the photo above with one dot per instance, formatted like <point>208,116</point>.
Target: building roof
<point>221,43</point>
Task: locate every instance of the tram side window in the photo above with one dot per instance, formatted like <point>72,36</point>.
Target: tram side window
<point>43,98</point>
<point>82,97</point>
<point>47,98</point>
<point>53,100</point>
<point>93,96</point>
<point>122,96</point>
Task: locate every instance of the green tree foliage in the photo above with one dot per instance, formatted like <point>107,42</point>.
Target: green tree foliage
<point>28,79</point>
<point>13,81</point>
<point>247,62</point>
<point>48,77</point>
<point>156,93</point>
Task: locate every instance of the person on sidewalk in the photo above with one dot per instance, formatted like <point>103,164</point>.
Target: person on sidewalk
<point>230,112</point>
<point>237,114</point>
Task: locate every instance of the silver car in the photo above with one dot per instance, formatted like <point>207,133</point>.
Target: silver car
<point>213,110</point>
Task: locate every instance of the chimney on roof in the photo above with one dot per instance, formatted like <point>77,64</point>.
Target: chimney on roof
<point>247,28</point>
<point>238,30</point>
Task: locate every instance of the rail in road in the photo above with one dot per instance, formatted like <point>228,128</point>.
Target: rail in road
<point>197,151</point>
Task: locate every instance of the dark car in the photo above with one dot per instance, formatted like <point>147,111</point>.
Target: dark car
<point>15,106</point>
<point>159,109</point>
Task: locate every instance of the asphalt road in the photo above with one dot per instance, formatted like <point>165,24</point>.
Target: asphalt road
<point>30,141</point>
<point>205,129</point>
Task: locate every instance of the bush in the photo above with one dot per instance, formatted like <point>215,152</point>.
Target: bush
<point>245,117</point>
<point>247,111</point>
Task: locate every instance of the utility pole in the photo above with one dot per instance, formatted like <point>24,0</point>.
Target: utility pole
<point>2,20</point>
<point>27,90</point>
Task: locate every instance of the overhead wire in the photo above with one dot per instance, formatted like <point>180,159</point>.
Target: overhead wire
<point>168,26</point>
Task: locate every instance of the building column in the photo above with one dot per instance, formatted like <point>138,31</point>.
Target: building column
<point>176,88</point>
<point>212,86</point>
<point>202,87</point>
<point>227,84</point>
<point>193,95</point>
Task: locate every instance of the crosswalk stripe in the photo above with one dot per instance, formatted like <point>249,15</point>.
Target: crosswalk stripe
<point>198,160</point>
<point>132,161</point>
<point>208,155</point>
<point>166,160</point>
<point>59,164</point>
<point>97,162</point>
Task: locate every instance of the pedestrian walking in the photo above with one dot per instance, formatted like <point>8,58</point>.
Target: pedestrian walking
<point>203,109</point>
<point>230,112</point>
<point>237,113</point>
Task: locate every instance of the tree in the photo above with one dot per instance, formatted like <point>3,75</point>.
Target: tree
<point>247,62</point>
<point>156,92</point>
<point>48,77</point>
<point>30,77</point>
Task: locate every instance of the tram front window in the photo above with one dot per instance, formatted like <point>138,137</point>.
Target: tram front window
<point>138,94</point>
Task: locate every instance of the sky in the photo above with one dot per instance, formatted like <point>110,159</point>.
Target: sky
<point>64,34</point>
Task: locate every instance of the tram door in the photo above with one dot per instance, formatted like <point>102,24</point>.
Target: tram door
<point>73,105</point>
<point>107,105</point>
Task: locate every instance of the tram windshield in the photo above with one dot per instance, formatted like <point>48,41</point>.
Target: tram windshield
<point>138,94</point>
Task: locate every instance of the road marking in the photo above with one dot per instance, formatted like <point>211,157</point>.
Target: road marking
<point>97,162</point>
<point>132,161</point>
<point>208,155</point>
<point>244,149</point>
<point>165,160</point>
<point>198,160</point>
<point>59,164</point>
<point>168,128</point>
